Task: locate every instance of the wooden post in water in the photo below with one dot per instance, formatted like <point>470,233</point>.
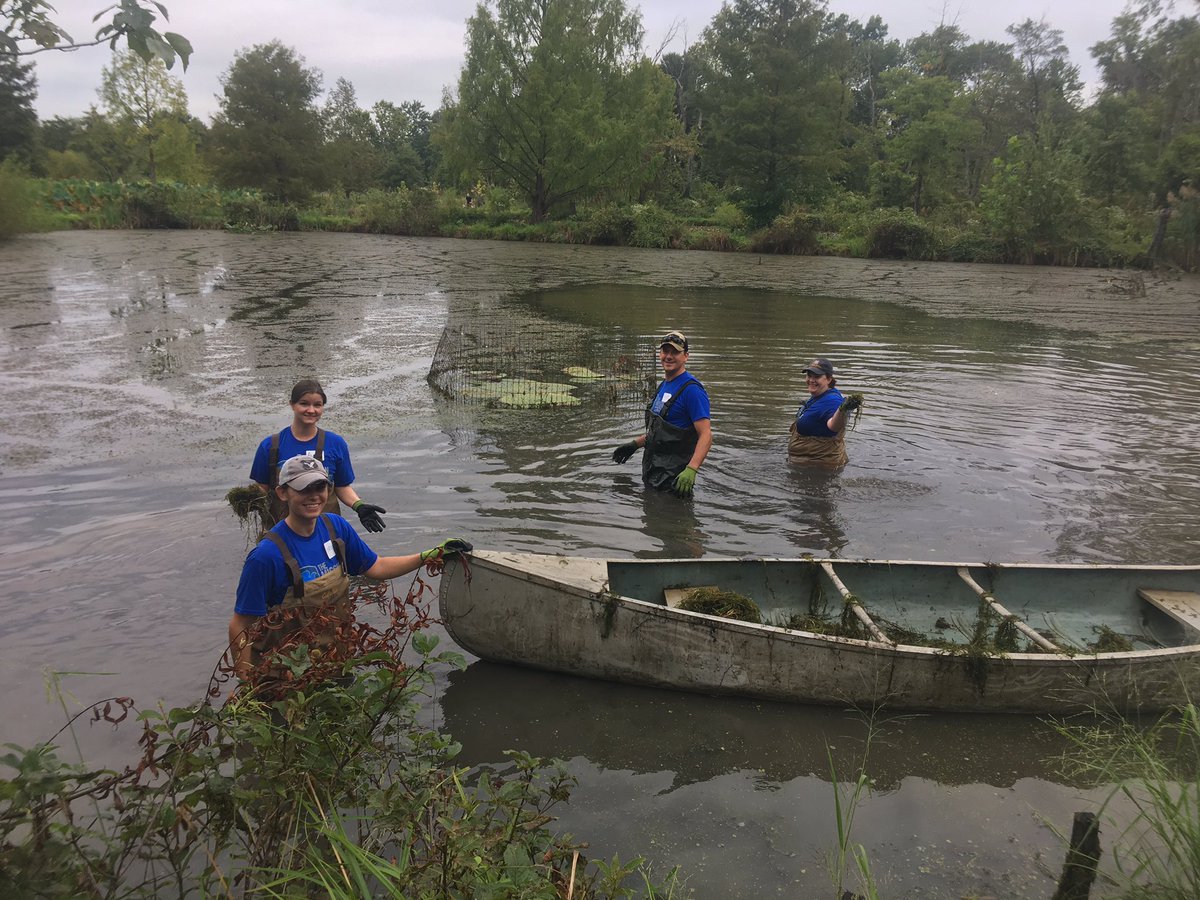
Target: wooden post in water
<point>1083,856</point>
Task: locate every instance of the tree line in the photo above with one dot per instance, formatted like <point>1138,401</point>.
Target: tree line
<point>784,127</point>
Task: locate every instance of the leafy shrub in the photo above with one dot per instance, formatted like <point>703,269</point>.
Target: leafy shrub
<point>795,232</point>
<point>408,211</point>
<point>729,217</point>
<point>900,234</point>
<point>18,201</point>
<point>654,227</point>
<point>328,786</point>
<point>250,211</point>
<point>610,225</point>
<point>711,238</point>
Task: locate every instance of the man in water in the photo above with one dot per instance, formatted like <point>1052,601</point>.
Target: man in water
<point>678,424</point>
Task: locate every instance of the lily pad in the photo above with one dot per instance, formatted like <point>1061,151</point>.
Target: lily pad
<point>582,373</point>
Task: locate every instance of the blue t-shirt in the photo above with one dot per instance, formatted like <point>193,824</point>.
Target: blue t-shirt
<point>336,457</point>
<point>265,578</point>
<point>689,408</point>
<point>816,411</point>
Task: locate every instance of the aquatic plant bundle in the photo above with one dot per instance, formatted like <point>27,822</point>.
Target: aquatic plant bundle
<point>249,504</point>
<point>727,604</point>
<point>856,395</point>
<point>525,363</point>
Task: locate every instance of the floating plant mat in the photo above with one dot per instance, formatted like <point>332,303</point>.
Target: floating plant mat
<point>518,362</point>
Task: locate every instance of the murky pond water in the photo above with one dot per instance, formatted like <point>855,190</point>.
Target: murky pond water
<point>1012,414</point>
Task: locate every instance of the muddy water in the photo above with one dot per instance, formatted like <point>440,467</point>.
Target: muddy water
<point>1012,414</point>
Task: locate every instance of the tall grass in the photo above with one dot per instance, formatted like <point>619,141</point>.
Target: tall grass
<point>1154,808</point>
<point>847,797</point>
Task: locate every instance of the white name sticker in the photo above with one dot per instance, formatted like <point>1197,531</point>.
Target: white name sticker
<point>329,549</point>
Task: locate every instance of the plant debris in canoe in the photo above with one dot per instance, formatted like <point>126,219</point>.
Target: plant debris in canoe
<point>727,604</point>
<point>1109,641</point>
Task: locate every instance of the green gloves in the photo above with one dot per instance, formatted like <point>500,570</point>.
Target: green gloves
<point>622,453</point>
<point>684,482</point>
<point>369,515</point>
<point>452,545</point>
<point>851,403</point>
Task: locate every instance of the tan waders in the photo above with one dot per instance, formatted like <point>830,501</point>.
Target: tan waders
<point>311,613</point>
<point>825,451</point>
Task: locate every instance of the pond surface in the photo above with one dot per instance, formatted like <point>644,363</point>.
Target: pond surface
<point>1012,414</point>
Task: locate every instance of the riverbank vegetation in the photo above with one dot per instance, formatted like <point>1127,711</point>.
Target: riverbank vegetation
<point>1152,812</point>
<point>332,788</point>
<point>785,129</point>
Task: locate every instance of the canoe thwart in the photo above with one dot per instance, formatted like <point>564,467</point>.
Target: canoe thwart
<point>1182,606</point>
<point>855,605</point>
<point>991,601</point>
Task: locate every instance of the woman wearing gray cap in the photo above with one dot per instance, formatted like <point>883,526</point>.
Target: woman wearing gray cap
<point>818,434</point>
<point>303,436</point>
<point>295,584</point>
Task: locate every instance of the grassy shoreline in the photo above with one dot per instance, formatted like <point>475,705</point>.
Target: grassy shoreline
<point>846,227</point>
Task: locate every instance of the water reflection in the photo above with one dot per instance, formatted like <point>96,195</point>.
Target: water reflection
<point>819,524</point>
<point>697,738</point>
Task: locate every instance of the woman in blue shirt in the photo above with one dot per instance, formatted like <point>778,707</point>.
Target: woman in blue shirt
<point>304,438</point>
<point>818,433</point>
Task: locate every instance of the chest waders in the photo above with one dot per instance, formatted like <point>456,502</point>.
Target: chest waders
<point>669,448</point>
<point>277,507</point>
<point>825,451</point>
<point>311,613</point>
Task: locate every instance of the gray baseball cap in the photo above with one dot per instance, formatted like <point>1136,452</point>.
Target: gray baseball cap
<point>301,471</point>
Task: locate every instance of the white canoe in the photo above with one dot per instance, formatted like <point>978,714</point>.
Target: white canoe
<point>610,619</point>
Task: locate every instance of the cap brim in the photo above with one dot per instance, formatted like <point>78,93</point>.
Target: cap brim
<point>300,482</point>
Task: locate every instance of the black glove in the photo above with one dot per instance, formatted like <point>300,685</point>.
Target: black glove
<point>851,403</point>
<point>622,453</point>
<point>453,545</point>
<point>368,514</point>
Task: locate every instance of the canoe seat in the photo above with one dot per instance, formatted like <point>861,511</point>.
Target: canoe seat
<point>675,596</point>
<point>1182,606</point>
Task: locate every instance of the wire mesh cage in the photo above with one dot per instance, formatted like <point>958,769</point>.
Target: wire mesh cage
<point>503,361</point>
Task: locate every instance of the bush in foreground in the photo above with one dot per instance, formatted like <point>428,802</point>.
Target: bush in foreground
<point>328,787</point>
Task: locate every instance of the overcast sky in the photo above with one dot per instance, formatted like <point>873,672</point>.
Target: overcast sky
<point>402,50</point>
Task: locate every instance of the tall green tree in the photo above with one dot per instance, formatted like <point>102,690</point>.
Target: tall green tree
<point>930,129</point>
<point>1151,65</point>
<point>353,160</point>
<point>556,100</point>
<point>144,99</point>
<point>396,128</point>
<point>772,103</point>
<point>267,133</point>
<point>18,121</point>
<point>1050,86</point>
